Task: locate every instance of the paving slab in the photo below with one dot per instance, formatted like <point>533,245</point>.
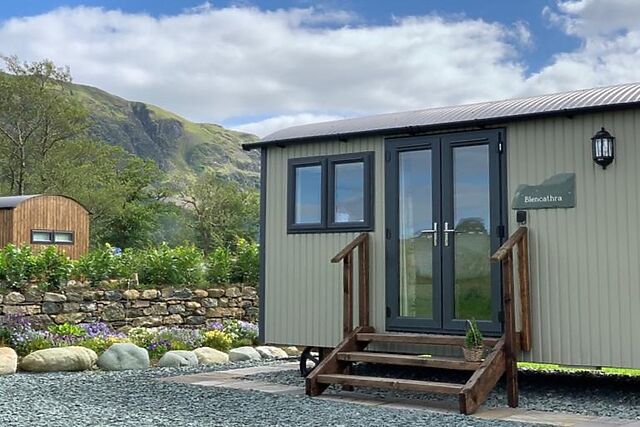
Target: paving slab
<point>237,379</point>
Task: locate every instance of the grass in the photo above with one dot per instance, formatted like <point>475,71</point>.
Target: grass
<point>571,369</point>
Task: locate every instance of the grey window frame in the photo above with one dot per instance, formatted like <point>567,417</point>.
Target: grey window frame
<point>71,242</point>
<point>327,164</point>
<point>40,242</point>
<point>52,237</point>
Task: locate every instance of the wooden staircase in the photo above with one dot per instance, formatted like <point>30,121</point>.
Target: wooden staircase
<point>336,367</point>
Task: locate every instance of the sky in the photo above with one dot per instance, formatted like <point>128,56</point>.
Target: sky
<point>258,66</point>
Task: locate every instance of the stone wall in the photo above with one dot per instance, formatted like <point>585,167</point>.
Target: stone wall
<point>79,303</point>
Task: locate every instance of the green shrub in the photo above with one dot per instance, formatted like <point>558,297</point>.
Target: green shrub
<point>473,337</point>
<point>100,344</point>
<point>141,337</point>
<point>67,330</point>
<point>5,336</point>
<point>17,265</point>
<point>183,265</point>
<point>220,265</point>
<point>52,267</point>
<point>218,340</point>
<point>104,263</point>
<point>242,333</point>
<point>246,268</point>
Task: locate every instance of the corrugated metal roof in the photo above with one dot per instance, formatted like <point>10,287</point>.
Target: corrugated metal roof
<point>484,112</point>
<point>13,201</point>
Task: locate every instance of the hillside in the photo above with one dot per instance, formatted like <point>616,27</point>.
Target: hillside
<point>176,144</point>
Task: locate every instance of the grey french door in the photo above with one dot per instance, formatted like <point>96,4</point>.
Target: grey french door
<point>444,218</point>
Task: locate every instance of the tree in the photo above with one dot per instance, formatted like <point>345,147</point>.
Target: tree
<point>223,210</point>
<point>122,191</point>
<point>37,115</point>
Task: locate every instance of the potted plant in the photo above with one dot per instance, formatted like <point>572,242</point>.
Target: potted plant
<point>473,348</point>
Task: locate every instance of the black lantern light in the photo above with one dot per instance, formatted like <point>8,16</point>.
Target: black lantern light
<point>602,145</point>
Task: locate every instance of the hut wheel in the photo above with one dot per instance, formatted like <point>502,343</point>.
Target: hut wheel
<point>311,355</point>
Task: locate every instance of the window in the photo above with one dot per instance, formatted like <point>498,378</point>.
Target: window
<point>332,193</point>
<point>39,236</point>
<point>48,237</point>
<point>63,237</point>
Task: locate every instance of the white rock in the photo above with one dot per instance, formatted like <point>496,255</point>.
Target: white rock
<point>269,352</point>
<point>241,354</point>
<point>59,359</point>
<point>210,356</point>
<point>8,361</point>
<point>292,351</point>
<point>124,356</point>
<point>178,358</point>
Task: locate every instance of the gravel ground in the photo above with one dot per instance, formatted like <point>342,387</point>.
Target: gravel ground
<point>579,393</point>
<point>137,398</point>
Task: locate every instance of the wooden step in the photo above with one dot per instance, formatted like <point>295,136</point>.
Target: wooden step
<point>408,360</point>
<point>405,338</point>
<point>390,383</point>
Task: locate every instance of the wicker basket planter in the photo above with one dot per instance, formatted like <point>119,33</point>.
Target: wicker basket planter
<point>473,354</point>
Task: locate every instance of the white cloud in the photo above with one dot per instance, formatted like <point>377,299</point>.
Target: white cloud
<point>296,65</point>
<point>272,124</point>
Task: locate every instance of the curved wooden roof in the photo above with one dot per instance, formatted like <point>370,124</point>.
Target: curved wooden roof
<point>12,202</point>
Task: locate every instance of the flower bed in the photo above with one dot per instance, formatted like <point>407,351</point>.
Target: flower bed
<point>18,333</point>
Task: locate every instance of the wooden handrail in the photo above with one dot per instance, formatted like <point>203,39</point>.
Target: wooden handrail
<point>349,248</point>
<point>346,255</point>
<point>504,255</point>
<point>507,246</point>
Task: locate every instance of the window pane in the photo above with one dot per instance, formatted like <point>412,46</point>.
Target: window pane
<point>63,237</point>
<point>41,236</point>
<point>472,238</point>
<point>308,194</point>
<point>415,186</point>
<point>349,192</point>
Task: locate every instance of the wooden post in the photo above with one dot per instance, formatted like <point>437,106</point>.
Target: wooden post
<point>511,367</point>
<point>525,302</point>
<point>363,282</point>
<point>347,278</point>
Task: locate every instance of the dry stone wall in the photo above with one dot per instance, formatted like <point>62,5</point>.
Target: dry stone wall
<point>80,303</point>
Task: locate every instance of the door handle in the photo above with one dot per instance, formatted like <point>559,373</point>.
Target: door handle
<point>434,231</point>
<point>446,232</point>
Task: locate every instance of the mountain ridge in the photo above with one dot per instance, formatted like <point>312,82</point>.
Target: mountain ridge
<point>177,145</point>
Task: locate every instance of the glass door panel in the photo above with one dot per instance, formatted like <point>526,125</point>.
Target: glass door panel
<point>416,240</point>
<point>472,239</point>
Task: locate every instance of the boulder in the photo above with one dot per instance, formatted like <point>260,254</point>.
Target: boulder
<point>292,351</point>
<point>270,352</point>
<point>59,359</point>
<point>8,361</point>
<point>124,356</point>
<point>178,358</point>
<point>210,356</point>
<point>242,354</point>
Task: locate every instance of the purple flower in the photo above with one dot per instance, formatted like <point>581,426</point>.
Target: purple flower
<point>100,330</point>
<point>214,326</point>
